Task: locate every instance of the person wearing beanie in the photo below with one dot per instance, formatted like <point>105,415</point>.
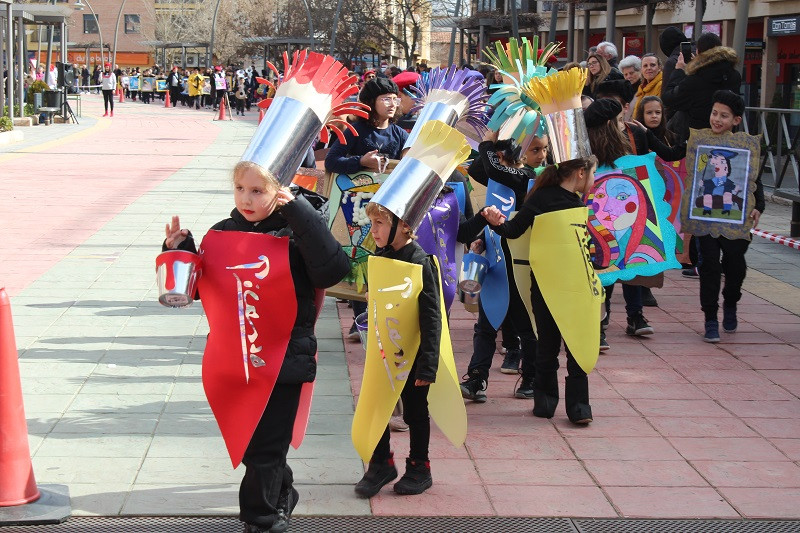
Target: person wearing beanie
<point>379,139</point>
<point>404,80</point>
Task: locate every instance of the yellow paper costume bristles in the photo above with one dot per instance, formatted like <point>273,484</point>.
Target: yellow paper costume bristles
<point>558,91</point>
<point>440,147</point>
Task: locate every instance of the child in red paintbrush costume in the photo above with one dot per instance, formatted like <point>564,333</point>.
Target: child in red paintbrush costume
<point>263,269</point>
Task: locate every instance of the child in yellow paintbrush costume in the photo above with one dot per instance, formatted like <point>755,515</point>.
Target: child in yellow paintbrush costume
<point>409,353</point>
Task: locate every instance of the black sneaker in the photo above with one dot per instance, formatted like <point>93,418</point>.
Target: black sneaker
<point>604,322</point>
<point>378,474</point>
<point>690,273</point>
<point>603,342</point>
<point>729,321</point>
<point>525,390</point>
<point>473,387</point>
<point>353,333</point>
<point>417,478</point>
<point>511,362</point>
<point>648,300</point>
<point>287,501</point>
<point>712,331</point>
<point>638,326</point>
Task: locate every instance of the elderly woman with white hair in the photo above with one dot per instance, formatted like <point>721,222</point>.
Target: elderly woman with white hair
<point>609,51</point>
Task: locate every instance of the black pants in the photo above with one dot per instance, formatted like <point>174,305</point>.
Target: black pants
<point>733,265</point>
<point>632,295</point>
<point>548,347</point>
<point>267,474</point>
<point>485,336</point>
<point>108,98</point>
<point>240,105</point>
<point>174,95</point>
<point>415,414</point>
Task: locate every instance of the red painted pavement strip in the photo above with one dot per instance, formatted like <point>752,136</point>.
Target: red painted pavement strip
<point>661,404</point>
<point>51,201</point>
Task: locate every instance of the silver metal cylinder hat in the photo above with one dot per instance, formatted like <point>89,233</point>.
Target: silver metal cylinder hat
<point>568,136</point>
<point>282,139</point>
<point>432,111</point>
<point>409,191</point>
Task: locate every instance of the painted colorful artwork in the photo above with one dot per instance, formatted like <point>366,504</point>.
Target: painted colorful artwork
<point>629,221</point>
<point>161,86</point>
<point>148,84</point>
<point>718,196</point>
<point>133,83</point>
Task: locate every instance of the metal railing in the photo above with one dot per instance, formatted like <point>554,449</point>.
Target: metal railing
<point>781,141</point>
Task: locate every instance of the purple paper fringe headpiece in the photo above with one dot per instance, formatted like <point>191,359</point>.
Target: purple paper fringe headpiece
<point>461,81</point>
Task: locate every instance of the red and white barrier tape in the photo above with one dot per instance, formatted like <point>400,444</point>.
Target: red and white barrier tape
<point>780,239</point>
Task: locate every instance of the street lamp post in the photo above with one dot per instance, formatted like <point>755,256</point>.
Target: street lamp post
<point>79,5</point>
<point>116,32</point>
<point>210,51</point>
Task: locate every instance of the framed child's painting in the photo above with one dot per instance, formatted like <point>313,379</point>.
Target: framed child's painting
<point>133,83</point>
<point>161,86</point>
<point>631,234</point>
<point>148,84</point>
<point>719,194</point>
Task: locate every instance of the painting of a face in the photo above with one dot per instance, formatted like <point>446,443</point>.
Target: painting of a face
<point>719,165</point>
<point>616,204</point>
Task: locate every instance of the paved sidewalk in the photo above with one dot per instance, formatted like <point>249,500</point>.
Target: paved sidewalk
<point>116,409</point>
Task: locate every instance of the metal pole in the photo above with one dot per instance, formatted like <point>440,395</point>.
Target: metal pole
<point>740,33</point>
<point>611,20</point>
<point>551,36</point>
<point>336,25</point>
<point>648,26</point>
<point>210,56</point>
<point>587,19</point>
<point>452,54</point>
<point>514,21</point>
<point>310,24</point>
<point>10,59</point>
<point>99,32</point>
<point>571,32</point>
<point>699,9</point>
<point>116,31</point>
<point>49,59</point>
<point>21,65</point>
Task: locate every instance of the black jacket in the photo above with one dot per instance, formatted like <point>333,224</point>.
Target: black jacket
<point>316,261</point>
<point>691,90</point>
<point>646,141</point>
<point>670,44</point>
<point>430,316</point>
<point>544,200</point>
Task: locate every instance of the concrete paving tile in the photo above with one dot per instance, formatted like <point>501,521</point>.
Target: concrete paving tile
<point>602,407</point>
<point>187,404</point>
<point>97,470</point>
<point>324,447</point>
<point>609,426</point>
<point>685,364</point>
<point>336,405</point>
<point>521,424</point>
<point>786,428</point>
<point>670,502</point>
<point>36,404</point>
<point>183,446</point>
<point>78,424</point>
<point>744,391</point>
<point>629,448</point>
<point>773,503</point>
<point>170,424</point>
<point>501,447</point>
<point>752,474</point>
<point>762,408</point>
<point>114,446</point>
<point>312,471</point>
<point>745,377</point>
<point>439,500</point>
<point>667,407</point>
<point>217,499</point>
<point>330,387</point>
<point>726,449</point>
<point>101,384</point>
<point>92,499</point>
<point>114,403</point>
<point>641,375</point>
<point>550,501</point>
<point>329,500</point>
<point>677,426</point>
<point>326,424</point>
<point>660,391</point>
<point>33,385</point>
<point>643,473</point>
<point>36,369</point>
<point>188,470</point>
<point>789,447</point>
<point>562,472</point>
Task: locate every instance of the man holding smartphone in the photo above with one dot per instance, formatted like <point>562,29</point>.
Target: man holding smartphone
<point>694,81</point>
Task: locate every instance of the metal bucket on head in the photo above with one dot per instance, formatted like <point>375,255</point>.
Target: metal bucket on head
<point>569,138</point>
<point>447,113</point>
<point>177,272</point>
<point>362,325</point>
<point>283,138</point>
<point>410,198</point>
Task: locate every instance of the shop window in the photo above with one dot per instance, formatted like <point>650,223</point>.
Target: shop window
<point>132,24</point>
<point>90,22</point>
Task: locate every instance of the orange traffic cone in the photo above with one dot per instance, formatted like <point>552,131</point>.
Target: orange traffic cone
<point>260,114</point>
<point>17,484</point>
<point>167,103</point>
<point>121,95</point>
<point>221,109</point>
